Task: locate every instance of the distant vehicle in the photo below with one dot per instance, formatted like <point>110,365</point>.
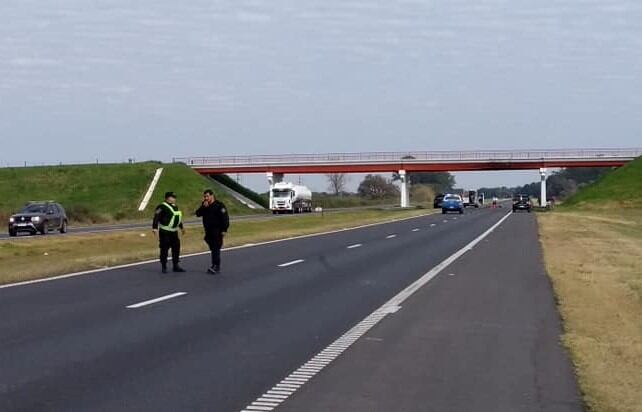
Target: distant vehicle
<point>470,198</point>
<point>438,199</point>
<point>452,203</point>
<point>39,217</point>
<point>481,198</point>
<point>290,198</point>
<point>522,202</point>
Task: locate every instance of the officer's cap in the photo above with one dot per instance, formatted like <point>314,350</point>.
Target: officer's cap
<point>170,194</point>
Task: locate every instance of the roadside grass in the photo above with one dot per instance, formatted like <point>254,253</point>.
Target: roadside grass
<point>594,258</point>
<point>47,256</point>
<point>617,189</point>
<point>104,193</point>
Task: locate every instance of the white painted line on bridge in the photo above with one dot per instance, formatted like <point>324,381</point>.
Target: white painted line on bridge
<point>344,342</point>
<point>391,236</point>
<point>416,229</point>
<point>152,301</point>
<point>356,245</point>
<point>433,224</point>
<point>294,262</point>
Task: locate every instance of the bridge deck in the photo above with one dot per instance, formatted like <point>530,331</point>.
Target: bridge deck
<point>425,161</point>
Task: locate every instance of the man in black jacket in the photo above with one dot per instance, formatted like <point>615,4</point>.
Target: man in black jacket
<point>167,220</point>
<point>216,221</point>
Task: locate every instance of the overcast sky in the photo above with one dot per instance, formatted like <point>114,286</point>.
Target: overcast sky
<point>152,79</point>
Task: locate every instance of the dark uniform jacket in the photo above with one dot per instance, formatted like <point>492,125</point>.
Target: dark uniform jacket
<point>215,218</point>
<point>162,215</point>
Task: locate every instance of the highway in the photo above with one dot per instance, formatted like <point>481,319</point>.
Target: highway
<point>105,228</point>
<point>437,313</point>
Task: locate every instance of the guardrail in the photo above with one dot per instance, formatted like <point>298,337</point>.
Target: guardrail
<point>412,157</point>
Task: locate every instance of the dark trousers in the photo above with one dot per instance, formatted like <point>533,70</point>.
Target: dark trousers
<point>169,240</point>
<point>215,241</point>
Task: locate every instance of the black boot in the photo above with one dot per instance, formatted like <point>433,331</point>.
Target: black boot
<point>164,268</point>
<point>178,269</point>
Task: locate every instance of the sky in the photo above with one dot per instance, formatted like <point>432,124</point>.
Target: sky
<point>82,80</point>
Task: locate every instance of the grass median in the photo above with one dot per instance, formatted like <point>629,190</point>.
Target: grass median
<point>45,256</point>
<point>594,258</point>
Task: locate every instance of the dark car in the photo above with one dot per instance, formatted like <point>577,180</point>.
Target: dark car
<point>39,217</point>
<point>438,199</point>
<point>522,202</point>
<point>452,203</point>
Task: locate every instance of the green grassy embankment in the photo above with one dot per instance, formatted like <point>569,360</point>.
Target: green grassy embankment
<point>593,252</point>
<point>104,193</point>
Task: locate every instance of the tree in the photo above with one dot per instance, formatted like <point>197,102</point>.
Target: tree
<point>440,181</point>
<point>337,182</point>
<point>377,187</point>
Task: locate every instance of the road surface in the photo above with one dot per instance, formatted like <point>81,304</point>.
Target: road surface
<point>132,339</point>
<point>147,225</point>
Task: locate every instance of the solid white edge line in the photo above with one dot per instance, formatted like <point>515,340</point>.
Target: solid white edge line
<point>293,262</point>
<point>150,190</point>
<point>346,340</point>
<point>147,262</point>
<point>155,300</point>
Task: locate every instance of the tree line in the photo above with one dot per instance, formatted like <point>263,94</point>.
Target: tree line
<point>560,184</point>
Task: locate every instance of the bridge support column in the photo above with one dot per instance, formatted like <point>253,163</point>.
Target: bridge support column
<point>272,179</point>
<point>405,196</point>
<point>542,196</point>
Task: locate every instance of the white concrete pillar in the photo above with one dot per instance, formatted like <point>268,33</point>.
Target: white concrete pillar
<point>272,179</point>
<point>405,196</point>
<point>542,173</point>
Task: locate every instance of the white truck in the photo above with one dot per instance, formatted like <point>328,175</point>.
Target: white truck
<point>470,198</point>
<point>287,197</point>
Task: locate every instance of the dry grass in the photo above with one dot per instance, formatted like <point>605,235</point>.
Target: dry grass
<point>40,257</point>
<point>594,259</point>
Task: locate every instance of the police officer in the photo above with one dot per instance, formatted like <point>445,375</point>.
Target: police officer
<point>167,220</point>
<point>216,221</point>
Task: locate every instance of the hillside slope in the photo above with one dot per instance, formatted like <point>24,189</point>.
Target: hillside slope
<point>619,188</point>
<point>104,193</point>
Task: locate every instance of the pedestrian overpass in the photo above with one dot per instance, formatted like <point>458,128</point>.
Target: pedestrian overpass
<point>275,166</point>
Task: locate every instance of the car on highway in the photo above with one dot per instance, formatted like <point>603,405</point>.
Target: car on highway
<point>438,199</point>
<point>522,202</point>
<point>39,217</point>
<point>452,203</point>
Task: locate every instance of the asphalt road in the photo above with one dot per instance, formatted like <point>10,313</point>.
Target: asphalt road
<point>218,343</point>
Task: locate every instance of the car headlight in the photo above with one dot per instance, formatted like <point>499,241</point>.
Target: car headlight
<point>11,220</point>
<point>36,219</point>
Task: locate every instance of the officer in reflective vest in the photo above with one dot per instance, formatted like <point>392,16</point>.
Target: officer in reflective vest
<point>167,220</point>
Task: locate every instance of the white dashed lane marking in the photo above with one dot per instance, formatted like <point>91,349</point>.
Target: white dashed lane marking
<point>356,245</point>
<point>391,236</point>
<point>415,229</point>
<point>152,301</point>
<point>433,224</point>
<point>294,262</point>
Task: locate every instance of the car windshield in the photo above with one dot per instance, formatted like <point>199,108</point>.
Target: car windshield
<point>452,197</point>
<point>35,208</point>
<point>281,193</point>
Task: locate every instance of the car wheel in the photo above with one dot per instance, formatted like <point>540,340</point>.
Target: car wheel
<point>13,233</point>
<point>43,229</point>
<point>461,211</point>
<point>63,227</point>
<point>443,212</point>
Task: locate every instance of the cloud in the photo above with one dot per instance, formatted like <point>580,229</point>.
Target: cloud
<point>33,62</point>
<point>253,17</point>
